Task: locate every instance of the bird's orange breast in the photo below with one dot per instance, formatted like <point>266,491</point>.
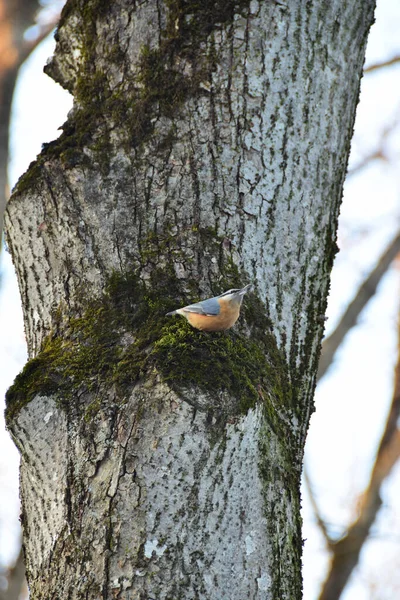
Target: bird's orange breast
<point>229,313</point>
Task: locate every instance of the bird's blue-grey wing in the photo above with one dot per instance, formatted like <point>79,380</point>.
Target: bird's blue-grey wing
<point>206,307</point>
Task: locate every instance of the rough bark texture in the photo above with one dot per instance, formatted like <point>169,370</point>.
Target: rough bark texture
<point>207,148</point>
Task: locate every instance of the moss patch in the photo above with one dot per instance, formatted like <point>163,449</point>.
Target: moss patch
<point>166,77</point>
<point>125,336</point>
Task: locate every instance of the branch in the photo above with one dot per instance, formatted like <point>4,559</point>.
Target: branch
<point>381,65</point>
<point>320,522</point>
<point>379,153</point>
<point>376,155</point>
<point>346,552</point>
<point>350,316</point>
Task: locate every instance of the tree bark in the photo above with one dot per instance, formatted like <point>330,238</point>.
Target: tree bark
<point>207,149</point>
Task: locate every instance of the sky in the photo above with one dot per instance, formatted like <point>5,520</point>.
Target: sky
<point>352,399</point>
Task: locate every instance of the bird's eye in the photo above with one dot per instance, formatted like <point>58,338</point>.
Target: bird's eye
<point>233,291</point>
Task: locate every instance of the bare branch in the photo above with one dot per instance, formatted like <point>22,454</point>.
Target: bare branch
<point>346,552</point>
<point>350,316</point>
<point>379,153</point>
<point>320,522</point>
<point>376,155</point>
<point>381,65</point>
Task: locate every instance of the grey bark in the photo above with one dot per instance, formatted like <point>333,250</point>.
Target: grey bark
<point>231,121</point>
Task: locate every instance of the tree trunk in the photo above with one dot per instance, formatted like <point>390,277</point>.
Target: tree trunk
<point>207,149</point>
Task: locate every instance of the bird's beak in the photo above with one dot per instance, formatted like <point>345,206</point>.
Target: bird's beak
<point>245,289</point>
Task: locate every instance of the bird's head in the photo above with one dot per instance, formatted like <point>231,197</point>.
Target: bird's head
<point>235,295</point>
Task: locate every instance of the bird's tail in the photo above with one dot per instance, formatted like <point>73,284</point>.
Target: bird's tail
<point>173,312</point>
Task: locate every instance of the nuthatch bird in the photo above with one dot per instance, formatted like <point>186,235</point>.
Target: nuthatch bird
<point>214,314</point>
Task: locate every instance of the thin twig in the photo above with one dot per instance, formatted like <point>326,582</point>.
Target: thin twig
<point>320,521</point>
<point>379,153</point>
<point>364,162</point>
<point>381,65</point>
<point>351,314</point>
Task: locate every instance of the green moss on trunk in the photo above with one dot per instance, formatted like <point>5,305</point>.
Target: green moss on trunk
<point>167,77</point>
<point>125,336</point>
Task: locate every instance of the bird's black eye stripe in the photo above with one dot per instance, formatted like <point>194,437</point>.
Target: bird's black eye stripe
<point>229,292</point>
